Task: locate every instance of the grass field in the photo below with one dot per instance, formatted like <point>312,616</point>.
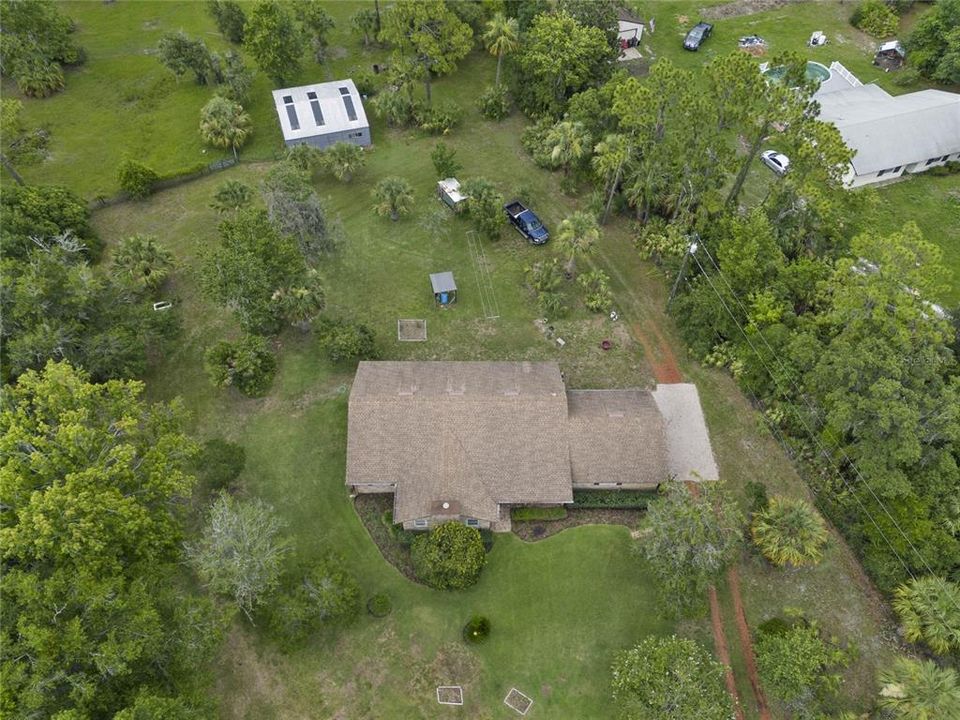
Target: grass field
<point>560,608</point>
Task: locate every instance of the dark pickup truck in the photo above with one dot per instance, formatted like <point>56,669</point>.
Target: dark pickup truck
<point>526,222</point>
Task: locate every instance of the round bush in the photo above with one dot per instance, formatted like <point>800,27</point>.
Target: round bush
<point>449,557</point>
<point>379,605</point>
<point>477,629</point>
<point>220,462</point>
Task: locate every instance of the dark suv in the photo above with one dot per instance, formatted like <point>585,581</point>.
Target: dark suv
<point>696,36</point>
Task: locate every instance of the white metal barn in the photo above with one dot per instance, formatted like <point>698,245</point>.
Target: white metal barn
<point>322,114</point>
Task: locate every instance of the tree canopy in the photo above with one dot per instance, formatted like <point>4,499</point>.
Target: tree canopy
<point>670,678</point>
<point>934,43</point>
<point>558,58</point>
<point>90,482</point>
<point>689,540</point>
<point>429,32</point>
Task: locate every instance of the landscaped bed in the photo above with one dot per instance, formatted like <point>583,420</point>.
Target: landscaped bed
<point>534,530</point>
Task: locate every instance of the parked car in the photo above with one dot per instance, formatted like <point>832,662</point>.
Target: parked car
<point>526,222</point>
<point>778,162</point>
<point>697,36</point>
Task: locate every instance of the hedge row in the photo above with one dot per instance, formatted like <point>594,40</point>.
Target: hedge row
<point>538,513</point>
<point>623,499</point>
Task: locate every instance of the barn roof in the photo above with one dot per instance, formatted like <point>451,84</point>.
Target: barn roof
<point>320,109</point>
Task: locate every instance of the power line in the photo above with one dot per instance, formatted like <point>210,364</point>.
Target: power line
<point>839,474</point>
<point>800,394</point>
<point>813,410</point>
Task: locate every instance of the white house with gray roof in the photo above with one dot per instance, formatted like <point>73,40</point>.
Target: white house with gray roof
<point>322,114</point>
<point>890,134</point>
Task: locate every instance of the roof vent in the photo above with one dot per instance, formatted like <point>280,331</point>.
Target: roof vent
<point>446,506</point>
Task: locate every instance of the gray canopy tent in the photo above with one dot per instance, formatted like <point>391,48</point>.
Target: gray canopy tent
<point>444,288</point>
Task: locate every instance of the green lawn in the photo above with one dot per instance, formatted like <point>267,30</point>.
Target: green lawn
<point>560,608</point>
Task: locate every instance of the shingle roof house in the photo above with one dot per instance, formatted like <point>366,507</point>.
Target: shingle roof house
<point>322,114</point>
<point>466,440</point>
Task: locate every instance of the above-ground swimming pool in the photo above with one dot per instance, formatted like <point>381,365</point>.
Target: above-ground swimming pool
<point>815,71</point>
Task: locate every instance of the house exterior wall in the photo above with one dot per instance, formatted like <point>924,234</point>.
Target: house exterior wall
<point>370,489</point>
<point>852,180</point>
<point>358,136</point>
<point>434,521</point>
<point>616,486</point>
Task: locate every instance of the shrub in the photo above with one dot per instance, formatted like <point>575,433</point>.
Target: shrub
<point>625,499</point>
<point>379,605</point>
<point>538,513</point>
<point>449,557</point>
<point>793,662</point>
<point>445,161</point>
<point>906,77</point>
<point>774,626</point>
<point>366,82</point>
<point>347,340</point>
<point>38,77</point>
<point>757,499</point>
<point>875,18</point>
<point>596,285</point>
<point>439,119</point>
<point>948,168</point>
<point>312,597</point>
<point>493,103</point>
<point>484,207</point>
<point>219,463</point>
<point>136,179</point>
<point>669,678</point>
<point>477,629</point>
<point>303,157</point>
<point>552,304</point>
<point>248,365</point>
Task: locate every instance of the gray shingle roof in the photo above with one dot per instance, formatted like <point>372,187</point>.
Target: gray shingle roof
<point>474,433</point>
<point>616,436</point>
<point>887,131</point>
<point>478,434</point>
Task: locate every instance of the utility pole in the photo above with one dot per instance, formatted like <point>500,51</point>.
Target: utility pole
<point>683,267</point>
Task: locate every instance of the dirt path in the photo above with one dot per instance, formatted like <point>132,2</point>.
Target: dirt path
<point>743,630</point>
<point>723,651</point>
<point>658,352</point>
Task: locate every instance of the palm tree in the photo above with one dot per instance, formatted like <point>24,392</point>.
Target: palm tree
<point>302,305</point>
<point>919,690</point>
<point>577,237</point>
<point>612,154</point>
<point>141,264</point>
<point>502,38</point>
<point>929,608</point>
<point>789,531</point>
<point>343,159</point>
<point>393,196</point>
<point>223,123</point>
<point>568,142</point>
<point>231,196</point>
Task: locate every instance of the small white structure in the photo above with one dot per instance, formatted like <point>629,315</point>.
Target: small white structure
<point>322,114</point>
<point>629,34</point>
<point>817,39</point>
<point>448,191</point>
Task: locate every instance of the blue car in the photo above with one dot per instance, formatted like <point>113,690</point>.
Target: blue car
<point>526,222</point>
